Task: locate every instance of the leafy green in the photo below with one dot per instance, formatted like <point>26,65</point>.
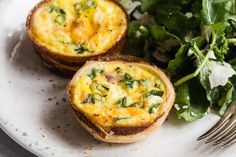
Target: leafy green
<point>174,20</point>
<point>160,34</point>
<point>214,11</point>
<point>194,40</point>
<point>148,4</point>
<point>192,105</point>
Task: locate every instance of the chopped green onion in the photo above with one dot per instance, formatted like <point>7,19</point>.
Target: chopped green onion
<point>60,19</point>
<point>93,73</point>
<point>121,118</point>
<point>123,102</point>
<point>137,104</point>
<point>153,108</point>
<point>89,99</point>
<point>155,92</point>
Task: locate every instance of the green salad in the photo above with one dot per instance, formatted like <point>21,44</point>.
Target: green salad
<point>195,42</point>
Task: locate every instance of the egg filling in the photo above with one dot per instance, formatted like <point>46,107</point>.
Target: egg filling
<point>119,94</point>
<point>78,27</point>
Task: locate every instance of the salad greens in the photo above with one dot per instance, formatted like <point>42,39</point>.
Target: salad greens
<point>195,41</point>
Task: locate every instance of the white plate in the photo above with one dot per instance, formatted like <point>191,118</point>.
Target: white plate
<point>34,113</point>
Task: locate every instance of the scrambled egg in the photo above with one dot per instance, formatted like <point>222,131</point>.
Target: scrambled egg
<point>119,94</point>
<point>79,27</point>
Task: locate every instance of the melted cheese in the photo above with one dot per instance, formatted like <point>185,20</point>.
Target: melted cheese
<point>119,94</point>
<point>64,25</point>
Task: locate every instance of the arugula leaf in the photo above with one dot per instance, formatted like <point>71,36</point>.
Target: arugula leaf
<point>147,5</point>
<point>226,98</point>
<point>174,20</point>
<point>181,57</point>
<point>190,107</point>
<point>180,64</point>
<point>214,11</point>
<point>160,34</point>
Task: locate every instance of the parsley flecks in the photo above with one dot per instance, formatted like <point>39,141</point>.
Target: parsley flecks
<point>89,99</point>
<point>153,108</point>
<point>123,102</point>
<point>93,73</point>
<point>155,92</point>
<point>80,49</point>
<point>138,105</point>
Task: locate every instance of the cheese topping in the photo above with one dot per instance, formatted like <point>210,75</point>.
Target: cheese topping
<point>119,94</point>
<point>79,27</point>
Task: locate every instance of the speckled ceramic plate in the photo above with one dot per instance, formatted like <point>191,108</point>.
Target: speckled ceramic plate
<point>34,110</point>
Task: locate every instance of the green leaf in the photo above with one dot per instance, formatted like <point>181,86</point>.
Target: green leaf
<point>147,5</point>
<point>174,20</point>
<point>190,107</point>
<point>181,57</point>
<point>226,98</point>
<point>160,34</point>
<point>214,11</point>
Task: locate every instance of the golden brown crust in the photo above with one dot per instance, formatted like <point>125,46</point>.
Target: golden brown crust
<point>123,134</point>
<point>71,60</point>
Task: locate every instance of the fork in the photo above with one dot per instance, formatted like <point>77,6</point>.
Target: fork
<point>223,133</point>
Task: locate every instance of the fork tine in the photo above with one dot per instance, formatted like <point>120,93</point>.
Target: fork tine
<point>224,118</point>
<point>220,133</point>
<point>231,141</point>
<point>225,138</point>
<point>215,127</point>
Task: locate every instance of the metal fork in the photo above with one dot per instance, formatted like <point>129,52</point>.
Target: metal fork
<point>223,133</point>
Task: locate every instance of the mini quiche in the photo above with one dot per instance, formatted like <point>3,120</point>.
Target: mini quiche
<point>72,31</point>
<point>119,101</point>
